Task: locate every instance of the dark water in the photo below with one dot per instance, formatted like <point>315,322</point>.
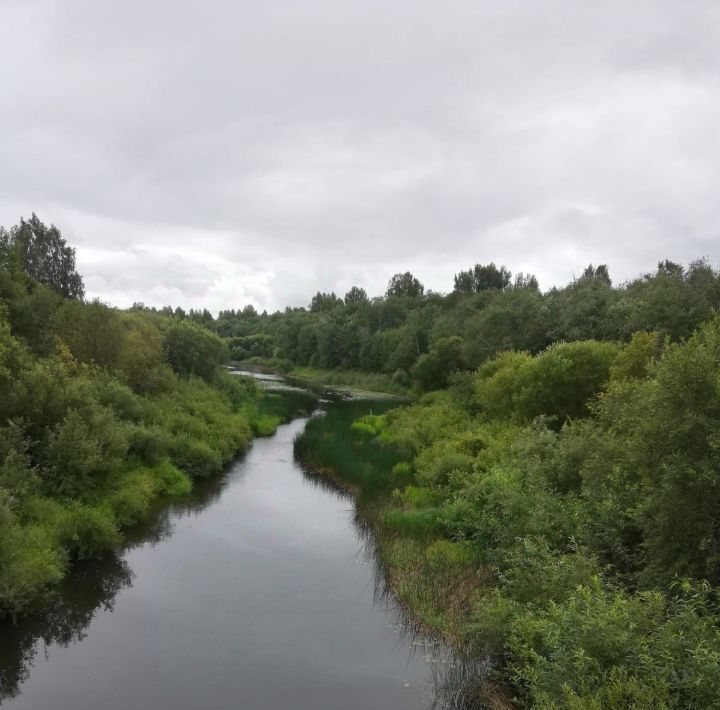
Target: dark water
<point>254,593</point>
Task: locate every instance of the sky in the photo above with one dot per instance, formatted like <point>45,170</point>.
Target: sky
<point>216,153</point>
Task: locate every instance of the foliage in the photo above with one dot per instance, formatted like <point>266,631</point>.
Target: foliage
<point>557,512</point>
<point>94,422</point>
<point>405,285</point>
<point>483,277</point>
<point>41,253</point>
<point>491,312</point>
<point>355,296</point>
<point>192,350</point>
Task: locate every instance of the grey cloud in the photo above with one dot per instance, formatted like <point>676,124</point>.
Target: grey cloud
<point>216,153</point>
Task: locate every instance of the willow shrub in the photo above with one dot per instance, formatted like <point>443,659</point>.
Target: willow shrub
<point>560,382</point>
<point>609,649</point>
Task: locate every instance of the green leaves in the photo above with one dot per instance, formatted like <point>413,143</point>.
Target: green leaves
<point>41,253</point>
<point>193,350</point>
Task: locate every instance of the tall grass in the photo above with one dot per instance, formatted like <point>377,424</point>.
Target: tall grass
<point>429,578</point>
<point>329,444</point>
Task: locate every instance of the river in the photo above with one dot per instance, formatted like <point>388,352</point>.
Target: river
<point>254,592</point>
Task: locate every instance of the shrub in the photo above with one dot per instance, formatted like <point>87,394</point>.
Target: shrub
<point>194,457</point>
<point>193,350</point>
<point>173,481</point>
<point>86,445</point>
<point>148,442</point>
<point>403,468</point>
<point>604,649</point>
<point>265,425</point>
<point>88,532</point>
<point>30,561</point>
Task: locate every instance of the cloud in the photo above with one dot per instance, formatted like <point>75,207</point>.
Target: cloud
<point>218,153</point>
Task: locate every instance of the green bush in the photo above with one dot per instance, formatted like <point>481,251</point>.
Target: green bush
<point>172,480</point>
<point>604,649</point>
<point>30,561</point>
<point>195,457</point>
<point>87,532</point>
<point>193,350</point>
<point>402,468</point>
<point>265,425</point>
<point>559,382</point>
<point>87,445</point>
<point>148,442</point>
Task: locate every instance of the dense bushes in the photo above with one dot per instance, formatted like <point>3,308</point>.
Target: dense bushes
<point>95,424</point>
<point>559,382</point>
<point>557,513</point>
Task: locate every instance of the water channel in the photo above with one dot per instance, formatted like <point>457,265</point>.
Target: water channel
<point>254,592</point>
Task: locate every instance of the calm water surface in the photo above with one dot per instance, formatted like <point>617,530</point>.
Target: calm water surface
<point>254,593</point>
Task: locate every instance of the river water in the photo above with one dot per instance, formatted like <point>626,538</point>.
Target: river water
<point>255,592</point>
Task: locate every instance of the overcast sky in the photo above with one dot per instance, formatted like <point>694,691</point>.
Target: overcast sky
<point>221,152</point>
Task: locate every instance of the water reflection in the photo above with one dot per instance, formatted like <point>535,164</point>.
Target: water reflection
<point>253,598</point>
<point>70,609</point>
<point>460,682</point>
<point>90,587</point>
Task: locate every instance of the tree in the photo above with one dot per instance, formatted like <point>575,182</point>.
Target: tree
<point>464,282</point>
<point>599,273</point>
<point>433,369</point>
<point>92,331</point>
<point>405,285</point>
<point>490,276</point>
<point>322,302</point>
<point>42,253</point>
<point>483,277</point>
<point>7,253</point>
<point>193,350</point>
<point>526,281</point>
<point>356,295</point>
<point>142,354</point>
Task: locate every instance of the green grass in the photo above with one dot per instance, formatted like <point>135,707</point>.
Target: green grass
<point>329,444</point>
<point>420,523</point>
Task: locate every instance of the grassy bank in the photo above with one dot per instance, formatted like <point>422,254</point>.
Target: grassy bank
<point>556,516</point>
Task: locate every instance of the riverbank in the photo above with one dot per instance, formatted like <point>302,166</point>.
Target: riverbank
<point>148,448</point>
<point>254,589</point>
<point>368,382</point>
<point>529,529</point>
<point>433,580</point>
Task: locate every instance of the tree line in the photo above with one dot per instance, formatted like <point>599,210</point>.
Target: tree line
<point>419,338</point>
